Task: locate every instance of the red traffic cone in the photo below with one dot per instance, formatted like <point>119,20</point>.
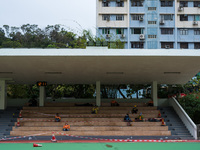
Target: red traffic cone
<point>163,122</point>
<point>159,114</point>
<point>18,123</point>
<point>20,114</point>
<point>37,145</point>
<point>53,138</point>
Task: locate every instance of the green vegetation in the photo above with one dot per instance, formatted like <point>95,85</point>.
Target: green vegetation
<point>52,36</point>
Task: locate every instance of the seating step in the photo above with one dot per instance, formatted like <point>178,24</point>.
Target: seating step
<point>93,128</point>
<point>94,133</point>
<point>85,123</point>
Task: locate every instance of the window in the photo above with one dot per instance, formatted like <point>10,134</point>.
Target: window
<point>151,22</point>
<point>167,17</point>
<point>119,31</point>
<point>152,36</point>
<point>183,3</point>
<point>183,17</point>
<point>105,4</point>
<point>184,45</point>
<point>120,17</point>
<point>151,8</point>
<point>137,44</point>
<point>120,4</point>
<point>166,31</point>
<point>105,31</point>
<point>196,17</point>
<point>167,45</point>
<point>196,31</point>
<point>137,31</point>
<point>167,3</point>
<point>196,45</point>
<point>137,3</point>
<point>183,31</point>
<point>106,17</point>
<point>196,3</point>
<point>136,17</point>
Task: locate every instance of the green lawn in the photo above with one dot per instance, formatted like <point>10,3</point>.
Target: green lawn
<point>103,146</point>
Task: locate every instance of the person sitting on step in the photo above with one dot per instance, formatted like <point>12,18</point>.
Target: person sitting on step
<point>66,127</point>
<point>134,110</point>
<point>139,118</point>
<point>114,103</point>
<point>95,110</point>
<point>127,118</point>
<point>57,118</point>
<point>150,103</point>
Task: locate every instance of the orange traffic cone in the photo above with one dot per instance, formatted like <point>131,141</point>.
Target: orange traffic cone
<point>37,145</point>
<point>20,114</point>
<point>159,114</point>
<point>18,123</point>
<point>163,122</point>
<point>53,138</point>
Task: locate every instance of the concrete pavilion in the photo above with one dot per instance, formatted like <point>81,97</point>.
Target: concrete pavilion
<point>96,66</point>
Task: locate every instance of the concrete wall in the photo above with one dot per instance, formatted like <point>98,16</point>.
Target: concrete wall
<point>22,102</point>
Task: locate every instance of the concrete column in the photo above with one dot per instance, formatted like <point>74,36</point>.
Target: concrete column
<point>98,93</point>
<point>42,96</point>
<point>154,89</point>
<point>3,95</point>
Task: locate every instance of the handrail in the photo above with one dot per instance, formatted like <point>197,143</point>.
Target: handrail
<point>190,125</point>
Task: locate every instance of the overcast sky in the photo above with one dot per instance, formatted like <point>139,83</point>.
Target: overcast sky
<point>73,14</point>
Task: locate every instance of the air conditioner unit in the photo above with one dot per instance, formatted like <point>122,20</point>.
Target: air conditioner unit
<point>162,22</point>
<point>195,23</point>
<point>141,18</point>
<point>107,36</point>
<point>122,35</point>
<point>180,8</point>
<point>142,37</point>
<point>167,46</point>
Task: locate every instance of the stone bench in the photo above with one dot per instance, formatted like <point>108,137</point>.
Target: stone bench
<point>67,104</point>
<point>85,123</point>
<point>87,108</point>
<point>94,128</point>
<point>93,133</point>
<point>148,115</point>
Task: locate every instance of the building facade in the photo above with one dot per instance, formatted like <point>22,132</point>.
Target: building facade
<point>150,24</point>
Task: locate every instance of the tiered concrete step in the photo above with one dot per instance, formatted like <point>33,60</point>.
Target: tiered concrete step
<point>94,128</point>
<point>108,122</point>
<point>146,115</point>
<point>76,119</point>
<point>87,108</point>
<point>94,133</point>
<point>93,123</point>
<point>53,104</point>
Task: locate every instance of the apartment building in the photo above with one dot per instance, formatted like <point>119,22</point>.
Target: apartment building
<point>150,24</point>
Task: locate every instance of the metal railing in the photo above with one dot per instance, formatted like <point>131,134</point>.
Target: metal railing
<point>198,131</point>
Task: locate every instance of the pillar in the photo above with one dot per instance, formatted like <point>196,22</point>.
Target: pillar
<point>98,93</point>
<point>154,93</point>
<point>42,96</point>
<point>3,94</point>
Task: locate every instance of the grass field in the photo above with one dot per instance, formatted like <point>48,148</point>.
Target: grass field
<point>101,146</point>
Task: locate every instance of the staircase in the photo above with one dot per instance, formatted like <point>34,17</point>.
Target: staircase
<point>7,120</point>
<point>176,126</point>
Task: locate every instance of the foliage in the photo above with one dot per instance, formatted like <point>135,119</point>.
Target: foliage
<point>191,104</point>
<point>52,36</point>
<point>11,44</point>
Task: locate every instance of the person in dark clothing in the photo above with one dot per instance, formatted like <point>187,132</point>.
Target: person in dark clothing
<point>134,110</point>
<point>127,118</point>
